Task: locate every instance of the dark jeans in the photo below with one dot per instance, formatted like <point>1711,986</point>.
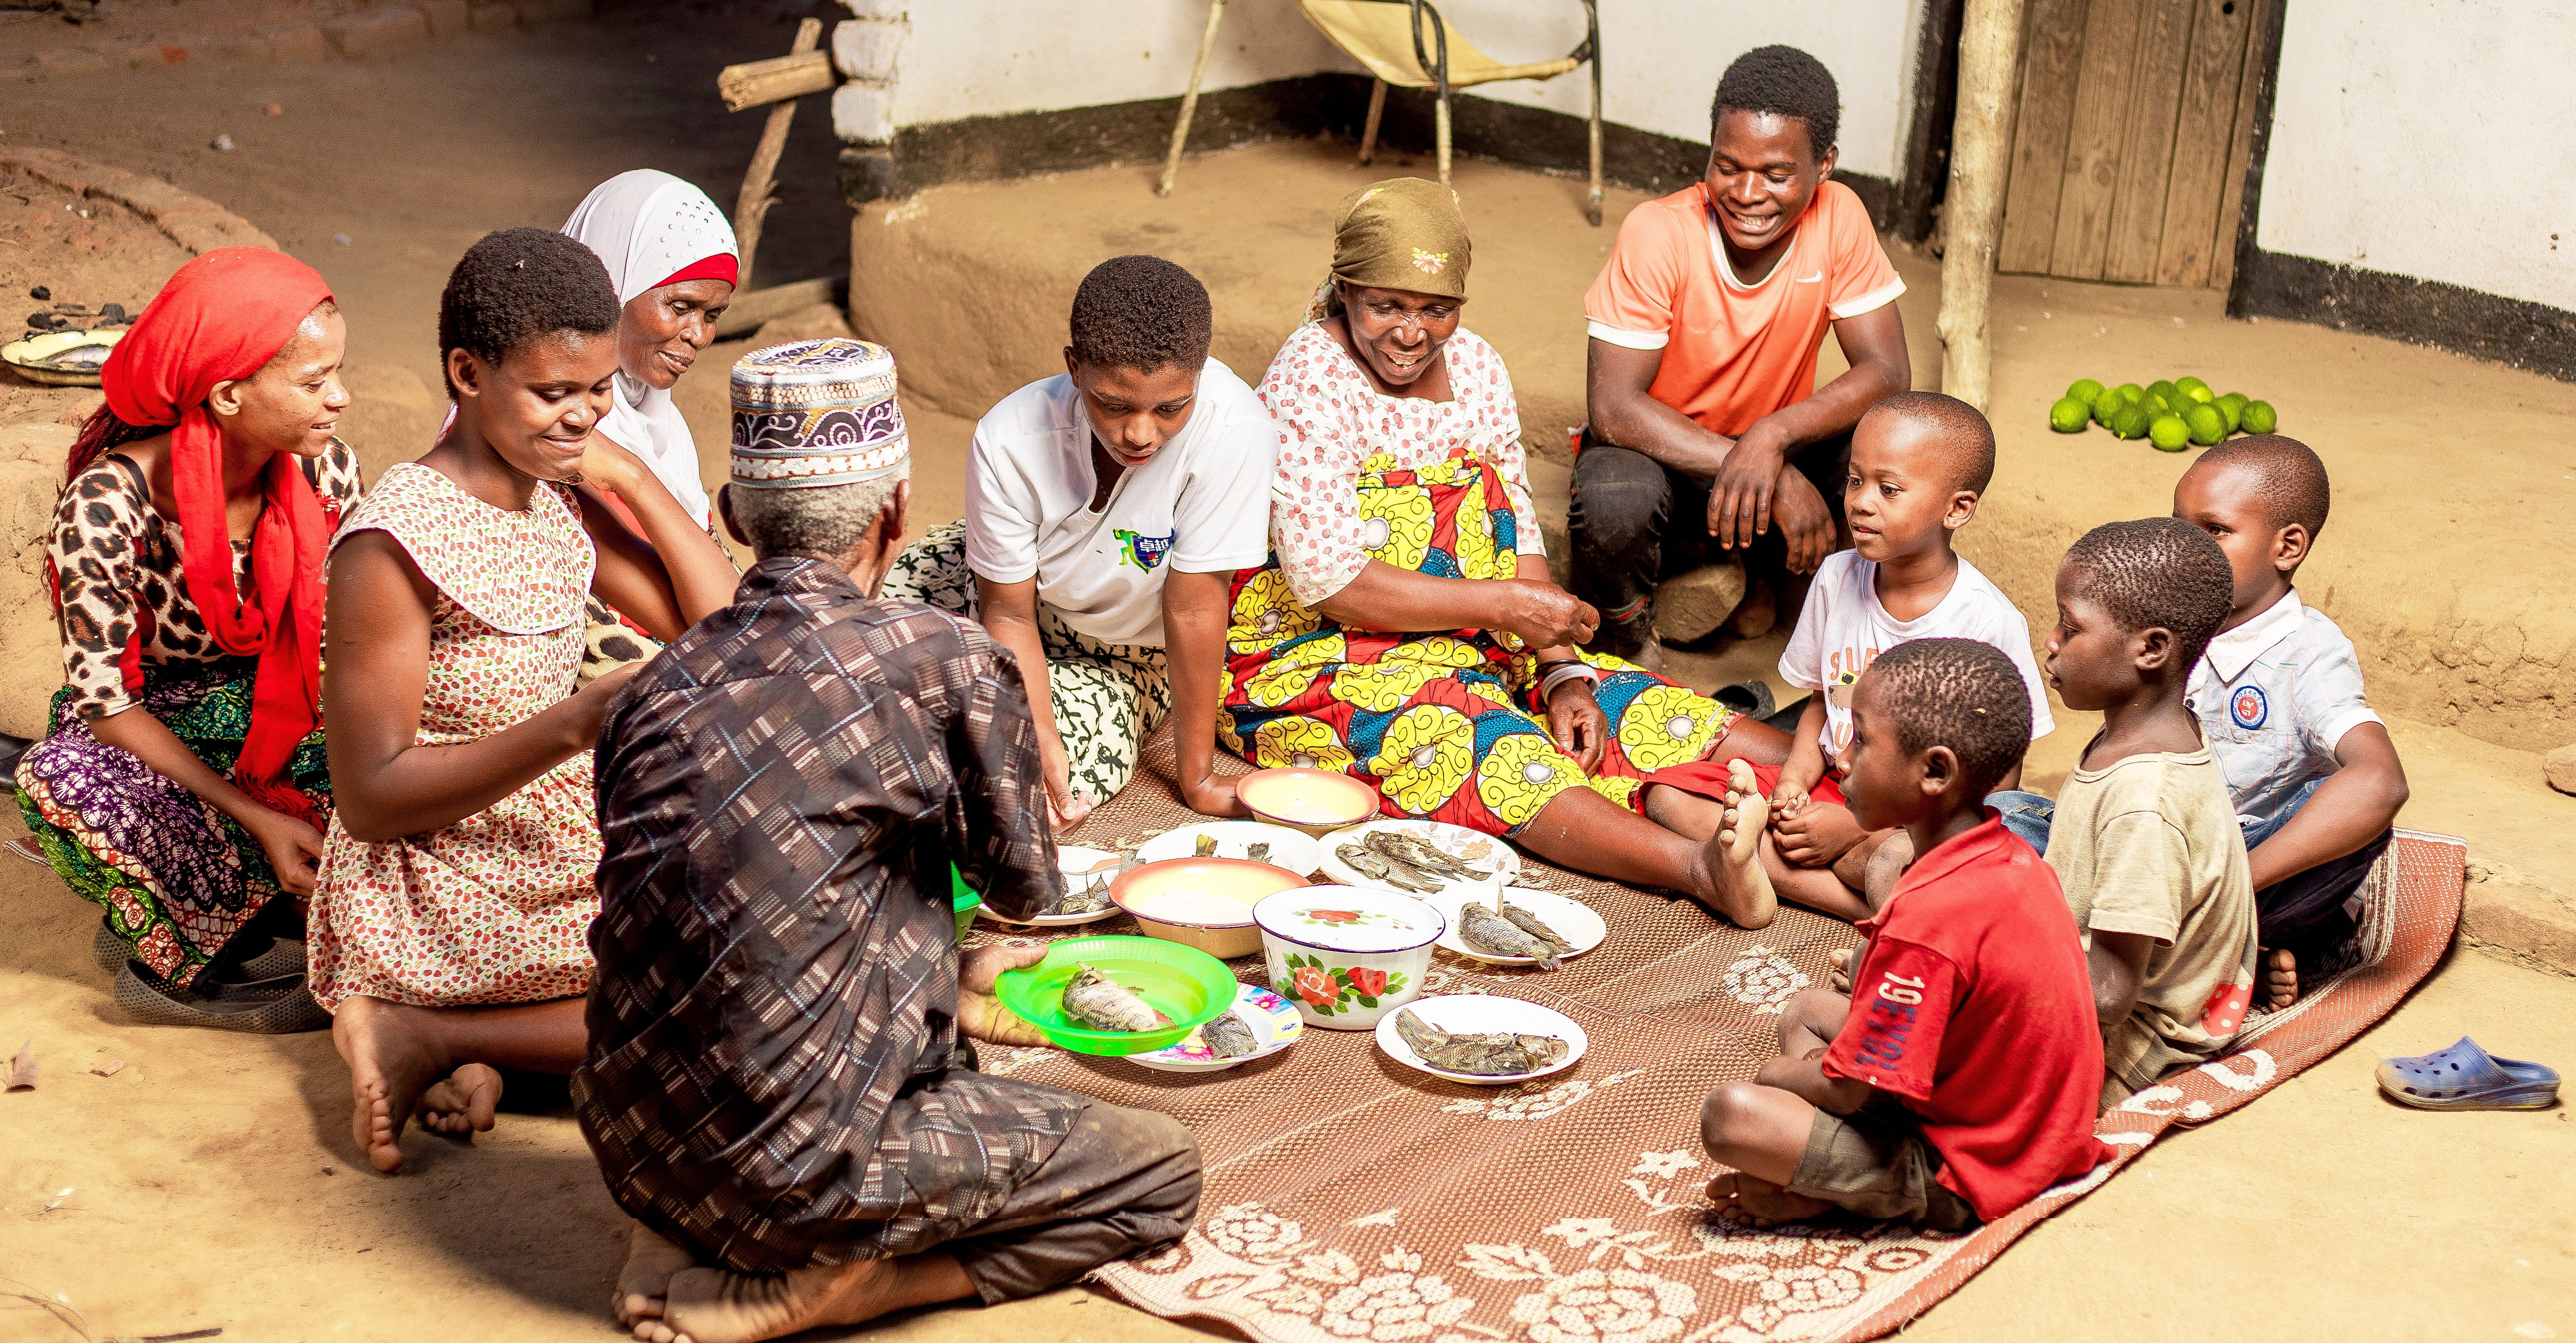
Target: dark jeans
<point>2304,913</point>
<point>1635,522</point>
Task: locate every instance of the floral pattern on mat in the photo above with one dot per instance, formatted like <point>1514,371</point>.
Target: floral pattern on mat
<point>1347,1199</point>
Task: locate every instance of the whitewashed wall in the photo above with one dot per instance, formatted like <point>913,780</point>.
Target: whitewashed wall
<point>2428,138</point>
<point>927,61</point>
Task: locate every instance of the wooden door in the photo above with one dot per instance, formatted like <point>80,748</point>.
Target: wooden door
<point>2130,141</point>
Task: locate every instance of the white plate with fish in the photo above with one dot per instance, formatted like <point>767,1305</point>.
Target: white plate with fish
<point>1236,839</point>
<point>1483,1040</point>
<point>62,358</point>
<point>1423,858</point>
<point>1087,874</point>
<point>1565,928</point>
<point>1261,1024</point>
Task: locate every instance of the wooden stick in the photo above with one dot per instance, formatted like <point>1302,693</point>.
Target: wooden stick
<point>1972,214</point>
<point>1377,110</point>
<point>755,83</point>
<point>753,205</point>
<point>1190,100</point>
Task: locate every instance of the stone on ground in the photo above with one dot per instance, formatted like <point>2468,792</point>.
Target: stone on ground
<point>2560,768</point>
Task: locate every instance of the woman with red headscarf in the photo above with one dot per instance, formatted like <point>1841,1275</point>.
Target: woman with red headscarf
<point>183,785</point>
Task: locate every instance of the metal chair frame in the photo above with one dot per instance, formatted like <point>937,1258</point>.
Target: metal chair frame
<point>1434,59</point>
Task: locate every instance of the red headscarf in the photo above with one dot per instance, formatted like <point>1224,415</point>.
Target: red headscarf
<point>222,317</point>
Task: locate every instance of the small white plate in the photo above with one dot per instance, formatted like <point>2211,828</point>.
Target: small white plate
<point>1080,865</point>
<point>1481,852</point>
<point>1275,1026</point>
<point>1572,920</point>
<point>1481,1014</point>
<point>1289,849</point>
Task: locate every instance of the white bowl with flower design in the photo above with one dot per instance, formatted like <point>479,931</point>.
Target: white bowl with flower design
<point>1346,955</point>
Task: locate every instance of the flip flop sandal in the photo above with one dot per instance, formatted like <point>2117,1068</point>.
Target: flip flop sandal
<point>25,846</point>
<point>280,1006</point>
<point>1749,698</point>
<point>2465,1077</point>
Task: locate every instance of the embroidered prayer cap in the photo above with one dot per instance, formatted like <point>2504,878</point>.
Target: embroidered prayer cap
<point>815,413</point>
<point>1402,233</point>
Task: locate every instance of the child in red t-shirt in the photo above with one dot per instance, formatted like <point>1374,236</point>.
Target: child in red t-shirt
<point>1961,1077</point>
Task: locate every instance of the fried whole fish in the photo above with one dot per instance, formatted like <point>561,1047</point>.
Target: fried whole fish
<point>1097,1001</point>
<point>1228,1037</point>
<point>1421,855</point>
<point>1496,1055</point>
<point>1530,924</point>
<point>1206,847</point>
<point>1377,867</point>
<point>1084,892</point>
<point>1499,935</point>
<point>1259,853</point>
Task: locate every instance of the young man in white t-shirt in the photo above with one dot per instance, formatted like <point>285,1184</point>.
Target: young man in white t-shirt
<point>1919,462</point>
<point>1107,509</point>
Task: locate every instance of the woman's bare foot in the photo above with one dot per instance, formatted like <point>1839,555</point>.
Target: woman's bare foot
<point>1739,888</point>
<point>714,1305</point>
<point>392,1060</point>
<point>651,1263</point>
<point>462,1102</point>
<point>2280,972</point>
<point>1756,1200</point>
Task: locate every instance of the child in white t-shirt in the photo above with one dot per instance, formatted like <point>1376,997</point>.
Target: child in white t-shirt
<point>1919,462</point>
<point>1107,509</point>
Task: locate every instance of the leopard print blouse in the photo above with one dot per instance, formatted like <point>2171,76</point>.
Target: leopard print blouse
<point>115,564</point>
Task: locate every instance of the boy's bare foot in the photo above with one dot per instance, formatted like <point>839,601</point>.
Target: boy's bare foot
<point>1838,977</point>
<point>462,1102</point>
<point>713,1305</point>
<point>1739,888</point>
<point>1756,1200</point>
<point>651,1263</point>
<point>2280,971</point>
<point>391,1062</point>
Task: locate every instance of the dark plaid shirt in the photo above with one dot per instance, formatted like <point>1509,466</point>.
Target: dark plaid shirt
<point>771,1077</point>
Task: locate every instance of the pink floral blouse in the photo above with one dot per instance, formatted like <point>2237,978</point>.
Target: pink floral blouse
<point>1332,419</point>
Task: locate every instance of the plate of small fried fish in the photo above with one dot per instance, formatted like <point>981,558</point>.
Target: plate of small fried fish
<point>1421,858</point>
<point>1518,925</point>
<point>1261,1024</point>
<point>1085,897</point>
<point>1481,1039</point>
<point>1252,841</point>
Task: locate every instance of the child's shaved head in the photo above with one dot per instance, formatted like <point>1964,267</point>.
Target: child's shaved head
<point>1952,428</point>
<point>1959,693</point>
<point>2156,573</point>
<point>2293,478</point>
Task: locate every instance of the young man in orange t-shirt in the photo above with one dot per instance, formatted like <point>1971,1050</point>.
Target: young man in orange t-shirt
<point>1705,325</point>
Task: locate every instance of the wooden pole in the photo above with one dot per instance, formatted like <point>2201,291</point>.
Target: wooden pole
<point>1190,100</point>
<point>753,205</point>
<point>1972,213</point>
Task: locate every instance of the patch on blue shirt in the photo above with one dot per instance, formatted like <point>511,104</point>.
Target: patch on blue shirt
<point>2247,706</point>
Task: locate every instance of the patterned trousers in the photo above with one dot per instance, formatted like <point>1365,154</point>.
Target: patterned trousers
<point>1108,697</point>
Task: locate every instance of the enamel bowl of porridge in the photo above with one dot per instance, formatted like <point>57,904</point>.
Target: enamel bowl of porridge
<point>1316,801</point>
<point>1204,903</point>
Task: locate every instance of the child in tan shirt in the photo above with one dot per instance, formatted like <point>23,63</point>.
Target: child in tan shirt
<point>2144,838</point>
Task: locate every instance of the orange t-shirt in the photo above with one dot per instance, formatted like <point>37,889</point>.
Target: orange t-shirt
<point>1733,352</point>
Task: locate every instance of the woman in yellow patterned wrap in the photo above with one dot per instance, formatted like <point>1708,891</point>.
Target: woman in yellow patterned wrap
<point>1404,630</point>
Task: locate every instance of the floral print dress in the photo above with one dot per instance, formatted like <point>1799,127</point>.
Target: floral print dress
<point>178,879</point>
<point>1446,724</point>
<point>497,907</point>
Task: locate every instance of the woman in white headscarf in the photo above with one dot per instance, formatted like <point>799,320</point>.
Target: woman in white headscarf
<point>673,259</point>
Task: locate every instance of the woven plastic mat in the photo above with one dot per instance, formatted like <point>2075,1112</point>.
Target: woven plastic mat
<point>1351,1198</point>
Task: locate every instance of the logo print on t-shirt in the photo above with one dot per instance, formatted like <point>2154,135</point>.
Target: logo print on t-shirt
<point>2248,707</point>
<point>1142,551</point>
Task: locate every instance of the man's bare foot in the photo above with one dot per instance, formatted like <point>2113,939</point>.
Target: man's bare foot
<point>2280,972</point>
<point>1739,888</point>
<point>714,1305</point>
<point>462,1102</point>
<point>392,1060</point>
<point>1750,1198</point>
<point>651,1262</point>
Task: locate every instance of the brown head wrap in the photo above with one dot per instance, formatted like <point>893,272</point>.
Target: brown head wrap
<point>1402,233</point>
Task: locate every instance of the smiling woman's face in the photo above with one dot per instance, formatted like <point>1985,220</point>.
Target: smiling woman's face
<point>537,407</point>
<point>1398,332</point>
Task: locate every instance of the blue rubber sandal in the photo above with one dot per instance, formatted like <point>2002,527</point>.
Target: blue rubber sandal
<point>2465,1077</point>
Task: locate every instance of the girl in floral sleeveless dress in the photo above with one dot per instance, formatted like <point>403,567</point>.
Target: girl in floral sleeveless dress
<point>449,934</point>
<point>1404,630</point>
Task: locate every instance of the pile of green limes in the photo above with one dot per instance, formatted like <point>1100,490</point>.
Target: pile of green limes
<point>2171,415</point>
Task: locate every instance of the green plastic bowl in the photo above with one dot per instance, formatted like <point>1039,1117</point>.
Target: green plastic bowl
<point>1187,985</point>
<point>964,899</point>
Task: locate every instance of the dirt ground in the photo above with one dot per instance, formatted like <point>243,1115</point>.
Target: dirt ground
<point>210,1183</point>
